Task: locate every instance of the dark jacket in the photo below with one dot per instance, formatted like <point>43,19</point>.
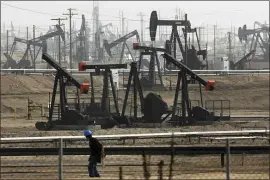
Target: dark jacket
<point>95,149</point>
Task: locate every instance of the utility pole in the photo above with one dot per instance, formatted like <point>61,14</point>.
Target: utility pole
<point>34,63</point>
<point>123,24</point>
<point>27,41</point>
<point>159,27</point>
<point>214,42</point>
<point>234,43</point>
<point>64,29</point>
<point>7,41</point>
<point>59,38</point>
<point>70,14</point>
<point>230,47</point>
<point>141,14</point>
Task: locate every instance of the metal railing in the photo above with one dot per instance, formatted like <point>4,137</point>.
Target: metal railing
<point>126,71</point>
<point>224,149</point>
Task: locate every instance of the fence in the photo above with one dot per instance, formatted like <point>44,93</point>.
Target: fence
<point>228,158</point>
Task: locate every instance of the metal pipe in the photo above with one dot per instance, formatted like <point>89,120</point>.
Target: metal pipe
<point>228,159</point>
<point>60,160</point>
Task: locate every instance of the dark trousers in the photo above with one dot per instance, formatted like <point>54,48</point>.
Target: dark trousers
<point>92,167</point>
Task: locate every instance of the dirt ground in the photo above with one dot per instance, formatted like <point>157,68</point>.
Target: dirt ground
<point>247,95</point>
<point>184,167</point>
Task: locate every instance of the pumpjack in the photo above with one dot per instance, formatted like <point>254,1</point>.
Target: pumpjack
<point>155,110</point>
<point>39,41</point>
<point>240,65</point>
<point>123,39</point>
<point>188,115</point>
<point>82,114</point>
<point>67,116</point>
<point>243,33</point>
<point>170,45</point>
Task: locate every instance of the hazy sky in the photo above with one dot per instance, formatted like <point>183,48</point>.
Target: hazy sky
<point>208,12</point>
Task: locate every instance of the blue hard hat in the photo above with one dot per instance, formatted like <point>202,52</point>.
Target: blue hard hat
<point>87,133</point>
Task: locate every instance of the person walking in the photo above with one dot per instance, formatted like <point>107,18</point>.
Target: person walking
<point>96,154</point>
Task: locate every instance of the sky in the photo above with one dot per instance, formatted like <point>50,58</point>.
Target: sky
<point>201,13</point>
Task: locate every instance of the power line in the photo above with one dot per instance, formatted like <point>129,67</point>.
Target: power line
<point>29,10</point>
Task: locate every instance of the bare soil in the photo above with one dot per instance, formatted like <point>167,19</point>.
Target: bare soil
<point>247,95</point>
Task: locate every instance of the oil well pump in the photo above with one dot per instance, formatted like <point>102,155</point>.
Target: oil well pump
<point>123,39</point>
<point>257,38</point>
<point>155,110</point>
<point>193,62</point>
<point>240,65</point>
<point>149,80</point>
<point>67,116</point>
<point>81,114</point>
<point>39,41</point>
<point>188,115</point>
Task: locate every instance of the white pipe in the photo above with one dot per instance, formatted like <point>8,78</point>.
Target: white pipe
<point>149,135</point>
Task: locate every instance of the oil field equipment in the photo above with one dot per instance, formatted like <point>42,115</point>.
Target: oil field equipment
<point>39,41</point>
<point>188,115</point>
<point>240,65</point>
<point>170,45</point>
<point>154,22</point>
<point>123,40</point>
<point>67,116</point>
<point>149,80</point>
<point>257,38</point>
<point>82,52</point>
<point>98,54</point>
<point>101,112</point>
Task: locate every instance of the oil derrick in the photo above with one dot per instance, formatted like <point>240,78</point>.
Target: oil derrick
<point>230,55</point>
<point>96,54</point>
<point>81,52</point>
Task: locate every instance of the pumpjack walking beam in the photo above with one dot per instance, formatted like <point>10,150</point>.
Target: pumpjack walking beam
<point>240,65</point>
<point>123,40</point>
<point>182,75</point>
<point>63,77</point>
